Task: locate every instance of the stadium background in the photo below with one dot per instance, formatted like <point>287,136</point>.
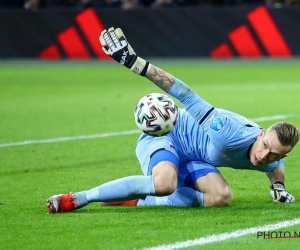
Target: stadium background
<point>220,32</point>
<point>67,125</point>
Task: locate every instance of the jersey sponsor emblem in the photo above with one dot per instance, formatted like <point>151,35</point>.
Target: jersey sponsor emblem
<point>216,123</point>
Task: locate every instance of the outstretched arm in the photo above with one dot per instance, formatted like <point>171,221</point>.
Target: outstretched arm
<point>115,44</point>
<point>160,78</point>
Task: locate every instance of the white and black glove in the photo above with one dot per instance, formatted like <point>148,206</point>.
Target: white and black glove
<point>279,194</point>
<point>114,43</point>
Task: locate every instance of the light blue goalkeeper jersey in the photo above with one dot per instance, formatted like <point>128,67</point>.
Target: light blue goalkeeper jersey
<point>224,139</point>
<point>215,136</point>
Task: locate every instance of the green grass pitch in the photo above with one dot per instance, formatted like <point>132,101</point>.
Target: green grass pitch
<point>41,101</point>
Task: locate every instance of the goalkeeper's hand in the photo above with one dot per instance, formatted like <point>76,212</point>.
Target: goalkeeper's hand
<point>114,43</point>
<point>279,194</point>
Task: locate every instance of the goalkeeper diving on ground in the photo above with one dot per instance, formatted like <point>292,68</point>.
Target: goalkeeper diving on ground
<point>181,168</point>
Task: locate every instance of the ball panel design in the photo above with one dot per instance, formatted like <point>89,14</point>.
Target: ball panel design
<point>156,114</point>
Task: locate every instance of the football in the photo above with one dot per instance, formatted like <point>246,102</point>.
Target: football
<point>156,114</point>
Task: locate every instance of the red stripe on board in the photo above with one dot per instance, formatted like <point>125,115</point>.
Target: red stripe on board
<point>72,44</point>
<point>222,51</point>
<point>51,52</point>
<point>268,33</point>
<point>91,27</point>
<point>244,43</point>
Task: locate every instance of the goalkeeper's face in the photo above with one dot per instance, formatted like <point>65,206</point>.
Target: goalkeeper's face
<point>267,149</point>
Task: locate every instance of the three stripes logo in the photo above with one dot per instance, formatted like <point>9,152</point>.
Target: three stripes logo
<point>244,44</point>
<point>71,42</point>
<point>242,41</point>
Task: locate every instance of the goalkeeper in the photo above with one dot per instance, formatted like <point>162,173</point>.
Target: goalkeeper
<point>180,169</point>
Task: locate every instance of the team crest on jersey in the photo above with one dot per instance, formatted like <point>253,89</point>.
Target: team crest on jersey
<point>216,123</point>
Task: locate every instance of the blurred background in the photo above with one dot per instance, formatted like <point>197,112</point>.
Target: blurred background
<point>132,4</point>
<point>69,29</point>
<point>67,122</point>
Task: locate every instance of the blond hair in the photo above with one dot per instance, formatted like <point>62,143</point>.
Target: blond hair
<point>287,133</point>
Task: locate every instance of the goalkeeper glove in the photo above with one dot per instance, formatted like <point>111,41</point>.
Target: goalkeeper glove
<point>114,43</point>
<point>279,194</point>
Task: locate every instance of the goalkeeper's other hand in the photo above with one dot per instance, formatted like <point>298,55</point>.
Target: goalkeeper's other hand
<point>114,43</point>
<point>279,194</point>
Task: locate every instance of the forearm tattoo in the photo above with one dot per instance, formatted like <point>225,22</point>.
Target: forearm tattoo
<point>276,175</point>
<point>160,78</point>
<point>271,176</point>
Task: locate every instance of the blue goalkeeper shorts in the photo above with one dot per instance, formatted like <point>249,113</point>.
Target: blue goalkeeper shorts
<point>152,150</point>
